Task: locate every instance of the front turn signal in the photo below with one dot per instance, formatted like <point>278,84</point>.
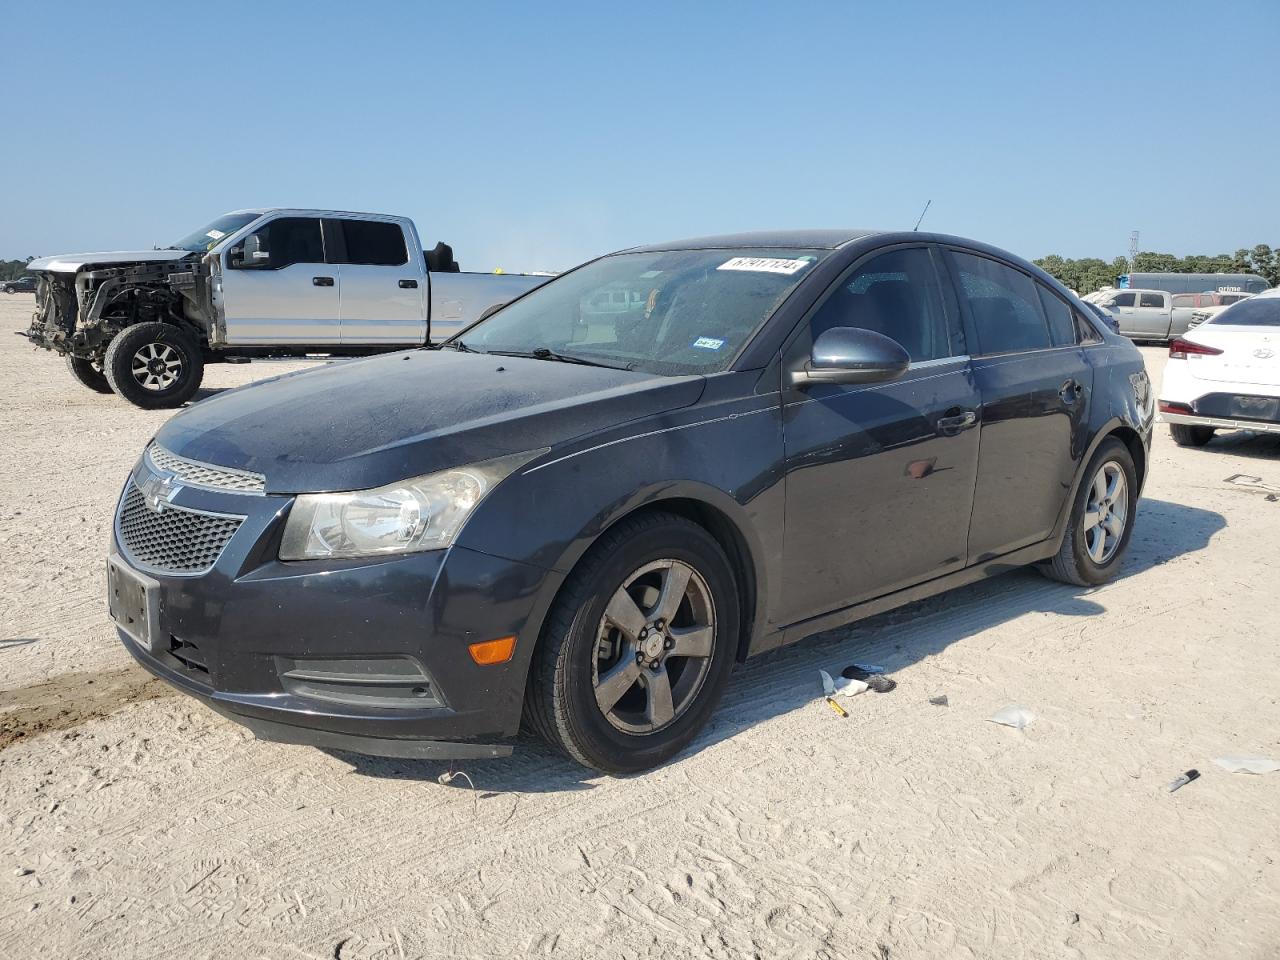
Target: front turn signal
<point>488,652</point>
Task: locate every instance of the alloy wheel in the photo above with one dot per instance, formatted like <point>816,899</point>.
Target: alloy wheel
<point>1106,512</point>
<point>654,647</point>
<point>157,366</point>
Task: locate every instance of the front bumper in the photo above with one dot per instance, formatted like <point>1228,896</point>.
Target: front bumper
<point>368,656</point>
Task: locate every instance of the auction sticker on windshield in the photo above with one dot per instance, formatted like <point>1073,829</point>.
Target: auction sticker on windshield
<point>764,265</point>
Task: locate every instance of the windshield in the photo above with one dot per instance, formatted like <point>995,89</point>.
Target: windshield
<point>1257,312</point>
<point>669,313</point>
<point>204,238</point>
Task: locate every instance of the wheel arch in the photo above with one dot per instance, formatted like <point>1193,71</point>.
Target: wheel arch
<point>1126,434</point>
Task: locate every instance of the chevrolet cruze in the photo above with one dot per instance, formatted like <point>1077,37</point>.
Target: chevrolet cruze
<point>582,518</point>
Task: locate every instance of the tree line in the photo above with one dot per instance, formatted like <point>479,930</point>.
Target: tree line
<point>13,269</point>
<point>1091,273</point>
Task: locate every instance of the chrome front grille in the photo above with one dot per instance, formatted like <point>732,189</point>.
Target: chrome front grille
<point>197,474</point>
<point>175,540</point>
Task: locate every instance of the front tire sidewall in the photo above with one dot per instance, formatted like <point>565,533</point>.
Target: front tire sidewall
<point>593,739</point>
<point>118,366</point>
<point>87,375</point>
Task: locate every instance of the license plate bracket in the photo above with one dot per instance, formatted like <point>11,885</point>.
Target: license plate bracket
<point>1255,408</point>
<point>134,603</point>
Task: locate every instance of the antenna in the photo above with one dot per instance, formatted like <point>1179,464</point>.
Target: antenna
<point>922,213</point>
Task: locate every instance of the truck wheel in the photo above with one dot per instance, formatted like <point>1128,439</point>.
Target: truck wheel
<point>154,366</point>
<point>88,374</point>
<point>638,647</point>
<point>1190,435</point>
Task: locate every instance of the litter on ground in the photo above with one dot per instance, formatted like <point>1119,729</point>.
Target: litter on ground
<point>1246,763</point>
<point>1013,716</point>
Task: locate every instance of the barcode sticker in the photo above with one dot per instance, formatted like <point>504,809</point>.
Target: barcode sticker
<point>764,265</point>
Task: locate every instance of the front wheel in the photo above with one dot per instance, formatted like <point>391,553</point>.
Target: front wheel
<point>1101,519</point>
<point>638,647</point>
<point>89,374</point>
<point>154,365</point>
<point>1190,435</point>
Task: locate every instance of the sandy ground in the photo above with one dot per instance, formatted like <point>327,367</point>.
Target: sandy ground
<point>134,823</point>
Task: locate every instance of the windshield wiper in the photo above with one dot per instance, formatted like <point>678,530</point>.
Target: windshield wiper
<point>544,353</point>
<point>459,346</point>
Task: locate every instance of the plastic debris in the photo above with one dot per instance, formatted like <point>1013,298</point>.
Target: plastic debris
<point>940,701</point>
<point>1183,780</point>
<point>870,675</point>
<point>1246,763</point>
<point>1013,716</point>
<point>836,707</point>
<point>843,688</point>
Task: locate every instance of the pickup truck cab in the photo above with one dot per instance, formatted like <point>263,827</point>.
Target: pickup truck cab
<point>254,283</point>
<point>1160,315</point>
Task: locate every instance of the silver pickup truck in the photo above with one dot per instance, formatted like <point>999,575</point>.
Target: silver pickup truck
<point>252,284</point>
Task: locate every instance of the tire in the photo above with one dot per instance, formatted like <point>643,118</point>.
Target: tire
<point>1190,435</point>
<point>89,375</point>
<point>582,647</point>
<point>161,384</point>
<point>1079,561</point>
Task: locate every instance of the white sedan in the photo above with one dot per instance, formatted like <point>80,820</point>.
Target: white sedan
<point>1225,374</point>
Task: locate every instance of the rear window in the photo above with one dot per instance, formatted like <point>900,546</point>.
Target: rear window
<point>1263,312</point>
<point>1186,300</point>
<point>374,242</point>
<point>1151,300</point>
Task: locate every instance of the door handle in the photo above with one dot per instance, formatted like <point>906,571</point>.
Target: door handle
<point>1071,391</point>
<point>952,424</point>
<point>408,284</point>
<point>322,281</point>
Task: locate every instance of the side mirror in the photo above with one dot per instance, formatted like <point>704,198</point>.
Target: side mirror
<point>852,355</point>
<point>251,253</point>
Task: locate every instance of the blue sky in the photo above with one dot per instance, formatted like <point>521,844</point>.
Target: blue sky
<point>534,136</point>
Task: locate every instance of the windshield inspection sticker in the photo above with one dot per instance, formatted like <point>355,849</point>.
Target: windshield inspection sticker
<point>764,265</point>
<point>215,234</point>
<point>708,343</point>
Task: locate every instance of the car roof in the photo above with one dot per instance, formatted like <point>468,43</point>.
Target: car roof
<point>811,239</point>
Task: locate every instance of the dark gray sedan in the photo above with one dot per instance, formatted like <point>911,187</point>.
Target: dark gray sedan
<point>584,518</point>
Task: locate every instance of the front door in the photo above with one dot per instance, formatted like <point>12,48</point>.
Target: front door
<point>287,295</point>
<point>879,477</point>
<point>1035,387</point>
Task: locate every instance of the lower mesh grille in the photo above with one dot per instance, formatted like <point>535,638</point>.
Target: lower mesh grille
<point>174,540</point>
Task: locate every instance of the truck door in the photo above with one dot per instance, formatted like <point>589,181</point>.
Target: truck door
<point>383,282</point>
<point>1151,314</point>
<point>277,288</point>
<point>1121,306</point>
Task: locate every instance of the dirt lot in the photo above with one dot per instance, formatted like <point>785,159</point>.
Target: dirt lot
<point>135,823</point>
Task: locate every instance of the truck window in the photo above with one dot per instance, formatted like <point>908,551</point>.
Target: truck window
<point>1151,300</point>
<point>373,242</point>
<point>1186,300</point>
<point>1123,300</point>
<point>293,240</point>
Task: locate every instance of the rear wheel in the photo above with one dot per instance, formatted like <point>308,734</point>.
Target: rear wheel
<point>1101,519</point>
<point>154,365</point>
<point>1190,435</point>
<point>89,374</point>
<point>638,647</point>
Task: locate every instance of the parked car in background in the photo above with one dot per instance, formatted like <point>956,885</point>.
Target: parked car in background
<point>1209,305</point>
<point>1160,315</point>
<point>254,283</point>
<point>585,524</point>
<point>25,284</point>
<point>1225,374</point>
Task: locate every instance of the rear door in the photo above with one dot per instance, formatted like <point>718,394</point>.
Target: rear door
<point>286,296</point>
<point>1035,386</point>
<point>1151,312</point>
<point>382,281</point>
<point>879,477</point>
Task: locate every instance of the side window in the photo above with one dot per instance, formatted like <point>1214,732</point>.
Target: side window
<point>1062,325</point>
<point>1186,300</point>
<point>1004,305</point>
<point>1088,328</point>
<point>293,240</point>
<point>1124,299</point>
<point>374,242</point>
<point>896,294</point>
<point>1151,300</point>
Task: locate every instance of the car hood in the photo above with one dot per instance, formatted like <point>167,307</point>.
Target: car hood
<point>357,424</point>
<point>74,262</point>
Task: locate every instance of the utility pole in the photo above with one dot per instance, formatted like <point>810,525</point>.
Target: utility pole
<point>1133,251</point>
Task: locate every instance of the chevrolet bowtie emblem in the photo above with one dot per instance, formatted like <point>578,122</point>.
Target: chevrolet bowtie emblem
<point>158,490</point>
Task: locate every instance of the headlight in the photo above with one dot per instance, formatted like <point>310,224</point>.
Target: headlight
<point>423,513</point>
